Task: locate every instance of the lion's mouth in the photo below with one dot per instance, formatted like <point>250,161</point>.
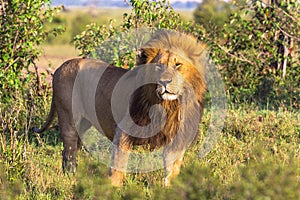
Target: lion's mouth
<point>165,94</point>
<point>169,96</point>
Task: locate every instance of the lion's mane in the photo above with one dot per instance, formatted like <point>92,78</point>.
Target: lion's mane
<point>142,100</point>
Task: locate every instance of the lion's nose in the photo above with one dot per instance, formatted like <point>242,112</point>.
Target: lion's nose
<point>164,83</point>
<point>165,79</point>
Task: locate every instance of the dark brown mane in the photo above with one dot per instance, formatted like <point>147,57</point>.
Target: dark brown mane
<point>139,110</point>
<point>145,97</point>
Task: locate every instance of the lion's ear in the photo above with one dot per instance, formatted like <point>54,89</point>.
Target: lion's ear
<point>141,57</point>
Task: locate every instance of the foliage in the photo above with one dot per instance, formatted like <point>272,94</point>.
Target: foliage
<point>20,35</point>
<point>212,14</point>
<point>22,31</point>
<point>257,156</point>
<point>98,40</point>
<point>61,23</point>
<point>258,54</point>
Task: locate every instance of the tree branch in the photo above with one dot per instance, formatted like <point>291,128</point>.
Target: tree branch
<point>38,78</point>
<point>234,56</point>
<point>287,34</point>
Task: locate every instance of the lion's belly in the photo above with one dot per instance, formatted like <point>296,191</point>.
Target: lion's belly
<point>91,96</point>
<point>105,87</point>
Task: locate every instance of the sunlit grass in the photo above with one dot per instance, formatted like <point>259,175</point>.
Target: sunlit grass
<point>257,156</point>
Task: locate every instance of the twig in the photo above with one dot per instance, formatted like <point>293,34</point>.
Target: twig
<point>38,78</point>
<point>289,35</point>
<point>234,56</point>
<point>6,68</point>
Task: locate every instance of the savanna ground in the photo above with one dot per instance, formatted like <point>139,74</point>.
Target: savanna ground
<point>256,156</point>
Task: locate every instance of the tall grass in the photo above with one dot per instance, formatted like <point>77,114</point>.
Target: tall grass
<point>257,157</point>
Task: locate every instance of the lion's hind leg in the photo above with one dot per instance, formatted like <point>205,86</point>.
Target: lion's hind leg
<point>70,140</point>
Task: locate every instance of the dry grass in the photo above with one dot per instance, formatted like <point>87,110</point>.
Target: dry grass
<point>54,55</point>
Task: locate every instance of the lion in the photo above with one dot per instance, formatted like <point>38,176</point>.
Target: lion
<point>176,60</point>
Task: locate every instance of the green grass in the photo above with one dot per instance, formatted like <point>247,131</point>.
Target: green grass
<point>256,157</point>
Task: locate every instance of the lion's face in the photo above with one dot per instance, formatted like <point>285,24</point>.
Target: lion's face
<point>171,70</point>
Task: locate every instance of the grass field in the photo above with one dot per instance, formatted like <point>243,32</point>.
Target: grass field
<point>256,157</point>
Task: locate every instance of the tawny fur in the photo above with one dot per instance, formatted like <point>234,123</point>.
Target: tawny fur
<point>165,48</point>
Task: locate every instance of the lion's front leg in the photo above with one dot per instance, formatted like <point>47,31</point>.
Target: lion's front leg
<point>119,159</point>
<point>116,177</point>
<point>172,170</point>
<point>118,166</point>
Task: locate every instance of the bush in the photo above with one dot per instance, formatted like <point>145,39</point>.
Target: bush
<point>149,14</point>
<point>20,36</point>
<point>22,31</point>
<point>61,23</point>
<point>213,14</point>
<point>256,156</point>
<point>257,51</point>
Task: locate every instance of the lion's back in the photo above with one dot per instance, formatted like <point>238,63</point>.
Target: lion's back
<point>85,85</point>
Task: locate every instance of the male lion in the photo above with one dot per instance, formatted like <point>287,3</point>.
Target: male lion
<point>177,63</point>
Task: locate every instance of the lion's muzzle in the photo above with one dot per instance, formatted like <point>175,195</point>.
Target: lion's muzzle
<point>165,93</point>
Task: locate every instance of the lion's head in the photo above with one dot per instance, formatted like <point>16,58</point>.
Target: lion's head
<point>177,58</point>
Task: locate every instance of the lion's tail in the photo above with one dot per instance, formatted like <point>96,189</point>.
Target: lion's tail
<point>48,121</point>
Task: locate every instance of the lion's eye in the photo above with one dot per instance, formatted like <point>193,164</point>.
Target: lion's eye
<point>157,68</point>
<point>178,65</point>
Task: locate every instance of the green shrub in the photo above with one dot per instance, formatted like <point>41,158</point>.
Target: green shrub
<point>256,157</point>
<point>258,54</point>
<point>20,35</point>
<point>22,31</point>
<point>60,23</point>
<point>213,14</point>
<point>144,14</point>
<point>79,23</point>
